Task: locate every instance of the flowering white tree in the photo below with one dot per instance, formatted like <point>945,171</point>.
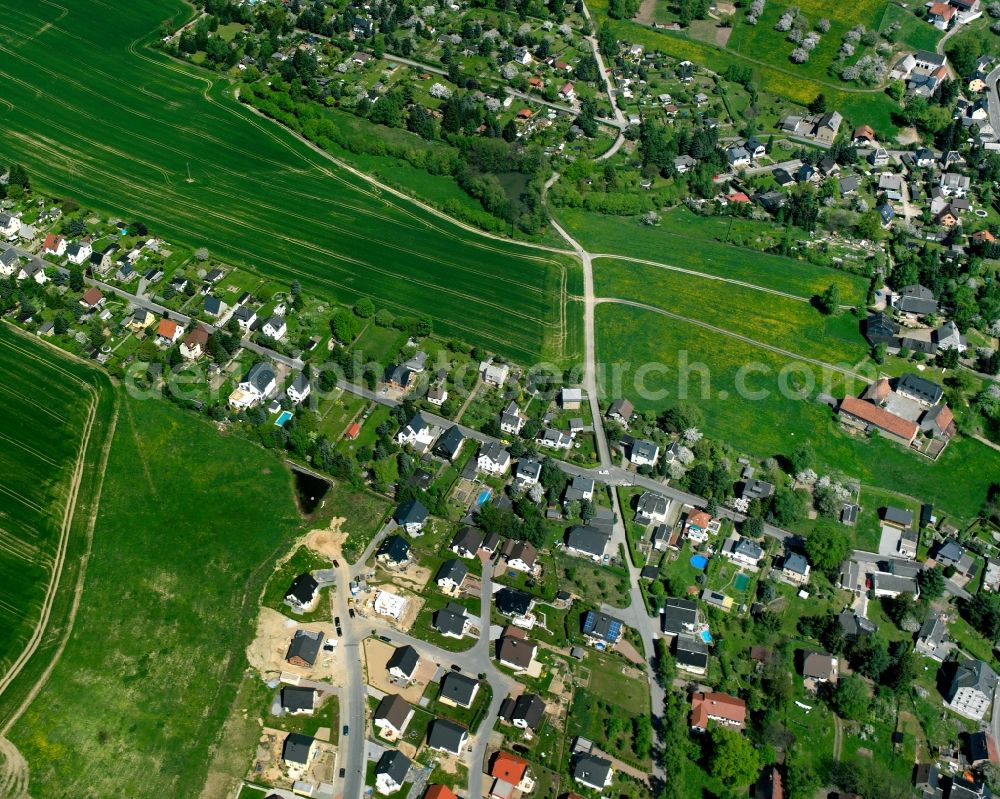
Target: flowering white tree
<point>806,477</point>
<point>785,23</point>
<point>800,55</point>
<point>685,456</point>
<point>536,493</point>
<point>692,434</point>
<point>823,25</point>
<point>676,470</point>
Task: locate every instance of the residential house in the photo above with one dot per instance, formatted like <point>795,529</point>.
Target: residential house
<point>951,553</point>
<point>297,751</point>
<point>275,328</point>
<point>246,317</point>
<point>953,184</point>
<point>392,716</point>
<point>54,245</point>
<point>723,709</point>
<point>416,433</point>
<point>916,300</point>
<point>941,15</point>
<point>444,735</point>
<point>587,541</point>
<point>971,689</point>
<point>195,344</point>
<point>458,690</point>
<point>522,557</point>
<point>848,185</point>
<point>900,518</point>
<point>643,453</point>
<point>863,136</point>
<point>512,420</point>
<point>527,473</point>
<point>403,662</point>
<point>302,592</point>
<point>411,516</point>
<point>437,395</point>
<point>449,444</point>
<point>168,332</point>
<point>512,602</point>
<point>451,575</point>
<point>214,307</point>
<point>580,489</point>
<point>466,542</point>
<point>391,771</point>
<point>493,459</point>
<point>394,552</point>
<point>691,653</point>
<point>528,712</point>
<point>299,389</point>
<point>10,262</point>
<point>678,616</point>
<point>593,771</point>
<point>78,253</point>
<point>818,668</point>
<point>571,398</point>
<point>298,701</point>
<point>494,374</point>
<point>601,630</point>
<point>621,411</point>
<point>509,772</point>
<point>554,439</point>
<point>450,620</point>
<point>795,568</point>
<point>514,650</point>
<point>651,507</point>
<point>257,385</point>
<point>699,526</point>
<point>92,298</point>
<point>304,648</point>
<point>932,640</point>
<point>9,225</point>
<point>751,488</point>
<point>743,551</point>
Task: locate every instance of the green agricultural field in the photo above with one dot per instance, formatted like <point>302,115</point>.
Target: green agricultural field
<point>771,319</point>
<point>632,338</point>
<point>146,137</point>
<point>687,242</point>
<point>52,422</point>
<point>189,525</point>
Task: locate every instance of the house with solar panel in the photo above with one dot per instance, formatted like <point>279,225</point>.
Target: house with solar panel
<point>601,630</point>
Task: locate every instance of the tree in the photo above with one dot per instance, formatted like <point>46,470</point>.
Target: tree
<point>850,698</point>
<point>75,280</point>
<point>802,458</point>
<point>753,527</point>
<point>787,507</point>
<point>931,583</point>
<point>734,759</point>
<point>818,104</point>
<point>829,301</point>
<point>364,308</point>
<point>826,548</point>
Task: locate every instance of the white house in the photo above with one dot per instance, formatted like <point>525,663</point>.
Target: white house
<point>9,226</point>
<point>555,439</point>
<point>299,388</point>
<point>512,420</point>
<point>391,771</point>
<point>743,551</point>
<point>494,374</point>
<point>527,473</point>
<point>194,345</point>
<point>493,459</point>
<point>416,433</point>
<point>9,262</point>
<point>54,245</point>
<point>78,253</point>
<point>522,557</point>
<point>258,384</point>
<point>971,689</point>
<point>644,453</point>
<point>275,328</point>
<point>392,716</point>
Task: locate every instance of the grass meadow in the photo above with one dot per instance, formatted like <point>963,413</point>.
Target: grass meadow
<point>697,243</point>
<point>127,137</point>
<point>49,423</point>
<point>188,527</point>
<point>768,318</point>
<point>631,337</point>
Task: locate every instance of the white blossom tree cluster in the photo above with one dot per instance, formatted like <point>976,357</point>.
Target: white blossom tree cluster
<point>754,12</point>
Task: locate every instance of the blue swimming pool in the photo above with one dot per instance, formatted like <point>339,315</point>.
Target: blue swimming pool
<point>699,562</point>
<point>484,496</point>
<point>282,418</point>
<point>706,636</point>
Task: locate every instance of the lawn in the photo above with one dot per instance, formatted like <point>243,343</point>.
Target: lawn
<point>49,428</point>
<point>303,560</point>
<point>256,195</point>
<point>744,407</point>
<point>775,320</point>
<point>180,555</point>
<point>379,344</point>
<point>698,244</point>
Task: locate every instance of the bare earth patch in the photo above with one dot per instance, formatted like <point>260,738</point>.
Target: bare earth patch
<point>327,542</point>
<point>377,654</point>
<point>267,651</point>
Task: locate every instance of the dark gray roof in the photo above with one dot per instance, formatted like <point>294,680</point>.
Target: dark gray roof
<point>512,602</point>
<point>677,613</point>
<point>458,688</point>
<point>651,503</point>
<point>920,387</point>
<point>395,764</point>
<point>395,549</point>
<point>447,735</point>
<point>305,644</point>
<point>691,651</point>
<point>303,589</point>
<point>412,512</point>
<point>260,376</point>
<point>448,444</point>
<point>972,674</point>
<point>394,709</point>
<point>529,708</point>
<point>747,548</point>
<point>405,658</point>
<point>299,383</point>
<point>453,569</point>
<point>467,538</point>
<point>296,748</point>
<point>294,698</point>
<point>900,516</point>
<point>757,489</point>
<point>796,563</point>
<point>950,552</point>
<point>450,619</point>
<point>587,538</point>
<point>591,770</point>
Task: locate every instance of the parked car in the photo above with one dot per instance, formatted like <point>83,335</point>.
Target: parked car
<point>346,730</point>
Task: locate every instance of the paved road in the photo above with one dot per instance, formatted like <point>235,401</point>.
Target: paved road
<point>993,105</point>
<point>351,754</point>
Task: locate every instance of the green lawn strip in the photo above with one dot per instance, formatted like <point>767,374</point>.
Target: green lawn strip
<point>956,482</point>
<point>697,243</point>
<point>770,319</point>
<point>181,553</point>
<point>423,626</point>
<point>302,561</point>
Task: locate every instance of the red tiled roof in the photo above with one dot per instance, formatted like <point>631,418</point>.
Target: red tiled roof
<point>716,704</point>
<point>353,430</point>
<point>509,768</point>
<point>984,236</point>
<point>699,519</point>
<point>439,792</point>
<point>52,241</point>
<point>524,113</point>
<point>877,417</point>
<point>92,296</point>
<point>197,336</point>
<point>942,10</point>
<point>167,328</point>
<point>738,197</point>
<point>864,132</point>
<point>945,420</point>
<point>567,88</point>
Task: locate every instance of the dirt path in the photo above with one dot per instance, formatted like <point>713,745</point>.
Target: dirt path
<point>838,738</point>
